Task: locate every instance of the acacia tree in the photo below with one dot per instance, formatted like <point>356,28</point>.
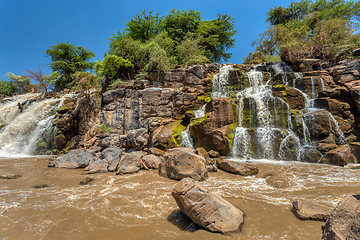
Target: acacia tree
<point>68,59</point>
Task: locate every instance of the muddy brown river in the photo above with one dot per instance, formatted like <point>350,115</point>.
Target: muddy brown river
<point>140,206</point>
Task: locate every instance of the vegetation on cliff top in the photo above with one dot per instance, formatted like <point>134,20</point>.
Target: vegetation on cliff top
<point>323,29</point>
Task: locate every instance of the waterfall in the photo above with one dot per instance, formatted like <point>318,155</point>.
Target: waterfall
<point>200,112</point>
<point>26,123</point>
<point>220,82</point>
<point>186,139</point>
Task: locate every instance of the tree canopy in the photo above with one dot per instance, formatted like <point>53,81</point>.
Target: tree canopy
<point>154,43</point>
<point>68,59</point>
<point>324,29</point>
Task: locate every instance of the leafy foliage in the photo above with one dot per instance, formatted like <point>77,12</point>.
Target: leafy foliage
<point>68,59</point>
<point>6,88</point>
<point>323,29</point>
<point>85,83</point>
<point>154,43</point>
<point>21,84</point>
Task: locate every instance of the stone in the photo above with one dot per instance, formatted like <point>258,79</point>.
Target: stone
<point>202,152</point>
<point>318,123</point>
<point>213,131</point>
<point>42,185</point>
<point>156,151</point>
<point>179,163</point>
<point>130,163</point>
<point>112,95</point>
<point>207,209</point>
<point>138,138</point>
<point>310,154</point>
<point>9,176</point>
<point>305,211</point>
<point>356,52</point>
<point>240,168</point>
<point>150,162</point>
<point>339,156</point>
<point>214,154</point>
<point>355,149</point>
<point>163,137</point>
<point>344,220</point>
<point>86,181</point>
<point>326,147</point>
<point>77,158</point>
<point>60,141</point>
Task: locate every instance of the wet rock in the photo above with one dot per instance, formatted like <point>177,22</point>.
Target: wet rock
<point>213,154</point>
<point>179,163</point>
<point>9,176</point>
<point>156,151</point>
<point>163,137</point>
<point>318,123</point>
<point>355,149</point>
<point>150,162</point>
<point>207,209</point>
<point>326,147</point>
<point>130,163</point>
<point>310,154</point>
<point>86,181</point>
<point>305,211</point>
<point>213,130</point>
<point>42,185</point>
<point>339,156</point>
<point>240,168</point>
<point>211,168</point>
<point>344,220</point>
<point>60,141</point>
<point>77,158</point>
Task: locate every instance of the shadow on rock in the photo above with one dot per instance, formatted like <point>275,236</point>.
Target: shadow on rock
<point>182,222</point>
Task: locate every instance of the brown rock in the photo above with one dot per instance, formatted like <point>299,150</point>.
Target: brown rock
<point>77,158</point>
<point>355,149</point>
<point>339,156</point>
<point>240,168</point>
<point>86,181</point>
<point>326,147</point>
<point>344,220</point>
<point>207,209</point>
<point>214,154</point>
<point>179,163</point>
<point>202,152</point>
<point>9,176</point>
<point>130,163</point>
<point>305,211</point>
<point>150,162</point>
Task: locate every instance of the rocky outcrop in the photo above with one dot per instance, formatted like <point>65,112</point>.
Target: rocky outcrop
<point>305,211</point>
<point>106,158</point>
<point>150,162</point>
<point>207,209</point>
<point>214,130</point>
<point>179,163</point>
<point>240,168</point>
<point>77,158</point>
<point>344,220</point>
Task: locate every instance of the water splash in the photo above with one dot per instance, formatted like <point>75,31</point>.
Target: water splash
<point>220,82</point>
<point>186,140</point>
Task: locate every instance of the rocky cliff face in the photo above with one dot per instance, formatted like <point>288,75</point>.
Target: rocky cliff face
<point>152,114</point>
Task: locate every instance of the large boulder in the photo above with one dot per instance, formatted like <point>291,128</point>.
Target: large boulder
<point>305,211</point>
<point>138,138</point>
<point>130,163</point>
<point>179,163</point>
<point>207,209</point>
<point>344,220</point>
<point>216,129</point>
<point>101,164</point>
<point>77,158</point>
<point>240,168</point>
<point>318,123</point>
<point>339,156</point>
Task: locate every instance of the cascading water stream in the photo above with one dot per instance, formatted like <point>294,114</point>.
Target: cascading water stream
<point>23,129</point>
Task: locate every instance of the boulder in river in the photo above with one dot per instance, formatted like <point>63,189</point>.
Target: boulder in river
<point>77,158</point>
<point>207,209</point>
<point>339,156</point>
<point>240,168</point>
<point>179,163</point>
<point>130,163</point>
<point>305,211</point>
<point>344,220</point>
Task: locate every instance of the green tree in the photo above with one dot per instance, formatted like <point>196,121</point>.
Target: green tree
<point>7,88</point>
<point>190,51</point>
<point>144,26</point>
<point>179,22</point>
<point>68,59</point>
<point>22,84</point>
<point>320,29</point>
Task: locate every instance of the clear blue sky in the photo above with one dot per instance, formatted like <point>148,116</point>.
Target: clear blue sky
<point>29,27</point>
